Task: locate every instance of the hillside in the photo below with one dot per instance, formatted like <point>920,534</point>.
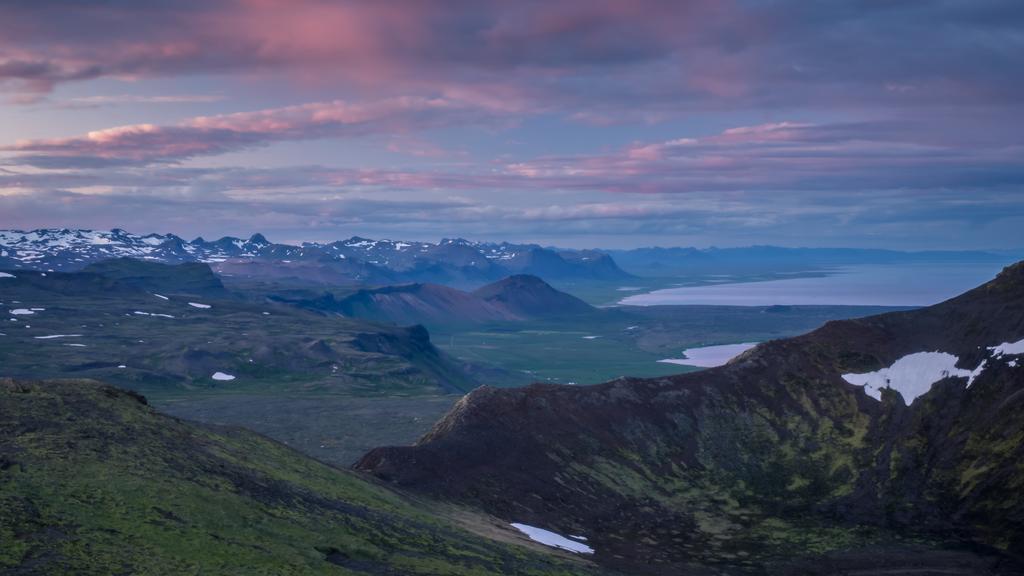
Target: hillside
<point>93,481</point>
<point>171,329</point>
<point>772,460</point>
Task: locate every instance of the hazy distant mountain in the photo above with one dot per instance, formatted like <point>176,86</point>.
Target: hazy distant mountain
<point>547,263</point>
<point>893,441</point>
<point>354,261</point>
<point>530,297</point>
<point>658,261</point>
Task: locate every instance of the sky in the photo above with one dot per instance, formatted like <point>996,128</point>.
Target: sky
<point>577,123</point>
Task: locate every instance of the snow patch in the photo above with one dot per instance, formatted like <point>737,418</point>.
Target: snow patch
<point>198,305</point>
<point>161,296</point>
<point>913,375</point>
<point>1008,348</point>
<point>140,313</point>
<point>222,376</point>
<point>548,538</point>
<point>21,312</point>
<point>52,336</point>
<point>6,275</point>
<point>710,356</point>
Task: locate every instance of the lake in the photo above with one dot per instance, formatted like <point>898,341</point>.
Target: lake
<point>875,285</point>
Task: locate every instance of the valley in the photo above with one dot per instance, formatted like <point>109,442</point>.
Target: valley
<point>275,357</point>
<point>493,397</point>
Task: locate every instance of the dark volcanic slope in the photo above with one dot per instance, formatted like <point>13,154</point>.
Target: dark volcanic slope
<point>95,482</point>
<point>769,457</point>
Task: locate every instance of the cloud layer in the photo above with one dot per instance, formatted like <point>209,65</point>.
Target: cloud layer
<point>857,122</point>
<point>658,53</point>
<point>212,135</point>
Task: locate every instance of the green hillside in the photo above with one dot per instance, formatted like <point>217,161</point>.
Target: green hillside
<point>94,481</point>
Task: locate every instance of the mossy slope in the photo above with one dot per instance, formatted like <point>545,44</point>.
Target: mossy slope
<point>93,481</point>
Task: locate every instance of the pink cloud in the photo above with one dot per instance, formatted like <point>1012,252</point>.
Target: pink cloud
<point>759,159</point>
<point>589,58</point>
<point>777,156</point>
<point>207,135</point>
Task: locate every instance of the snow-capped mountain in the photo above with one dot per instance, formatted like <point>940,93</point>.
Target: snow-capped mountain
<point>356,259</point>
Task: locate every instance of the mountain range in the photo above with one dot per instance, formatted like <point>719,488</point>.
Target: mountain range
<point>353,261</point>
<point>894,441</point>
<point>455,262</point>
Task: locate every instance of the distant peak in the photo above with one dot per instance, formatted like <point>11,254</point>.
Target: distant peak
<point>523,279</point>
<point>258,238</point>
